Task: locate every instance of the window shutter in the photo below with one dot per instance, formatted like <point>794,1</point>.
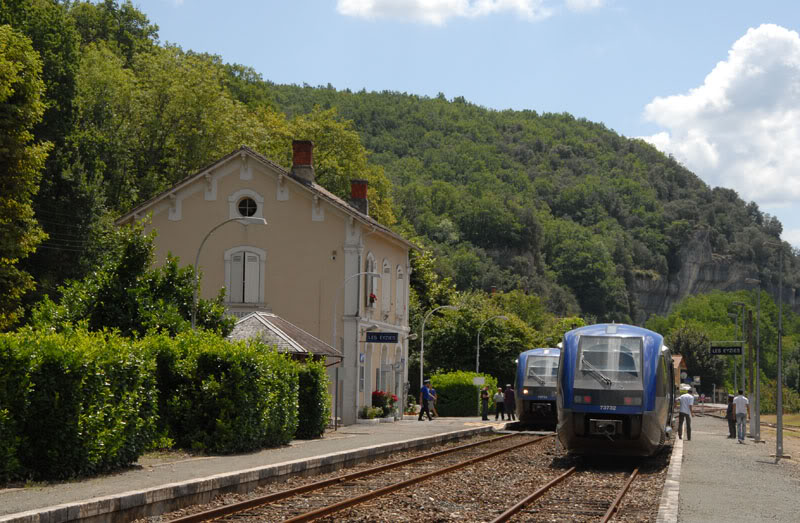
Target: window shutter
<point>237,278</point>
<point>386,289</point>
<point>251,279</point>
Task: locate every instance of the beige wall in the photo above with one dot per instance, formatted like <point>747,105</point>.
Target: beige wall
<point>305,254</point>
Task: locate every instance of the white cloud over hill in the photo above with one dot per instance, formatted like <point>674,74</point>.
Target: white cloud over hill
<point>741,128</point>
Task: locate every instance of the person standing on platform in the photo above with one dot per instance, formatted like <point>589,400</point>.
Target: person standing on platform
<point>499,411</point>
<point>425,400</point>
<point>485,404</point>
<point>730,415</point>
<point>742,413</point>
<point>510,403</point>
<point>685,414</point>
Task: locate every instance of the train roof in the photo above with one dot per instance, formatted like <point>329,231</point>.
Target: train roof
<point>542,351</point>
<point>613,329</point>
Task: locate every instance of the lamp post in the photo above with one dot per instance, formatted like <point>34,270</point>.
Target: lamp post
<point>779,397</point>
<point>742,305</point>
<point>755,424</point>
<point>336,299</point>
<point>244,220</point>
<point>478,351</point>
<point>422,338</point>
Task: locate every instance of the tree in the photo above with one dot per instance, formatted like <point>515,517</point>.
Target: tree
<point>693,344</point>
<point>21,162</point>
<point>124,293</point>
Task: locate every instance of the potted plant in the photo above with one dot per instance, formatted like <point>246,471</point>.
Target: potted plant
<point>372,299</point>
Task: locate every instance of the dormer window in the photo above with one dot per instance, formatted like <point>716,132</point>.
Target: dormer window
<point>247,207</point>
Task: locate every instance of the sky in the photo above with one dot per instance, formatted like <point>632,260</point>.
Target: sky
<point>715,83</point>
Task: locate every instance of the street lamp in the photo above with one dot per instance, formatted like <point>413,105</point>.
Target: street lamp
<point>742,305</point>
<point>755,432</point>
<point>336,299</point>
<point>244,220</point>
<point>478,351</point>
<point>422,338</point>
<point>779,406</point>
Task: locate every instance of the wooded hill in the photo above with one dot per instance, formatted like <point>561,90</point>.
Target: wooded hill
<point>546,203</point>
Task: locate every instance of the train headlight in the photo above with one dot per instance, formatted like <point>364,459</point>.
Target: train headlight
<point>632,401</point>
<point>525,392</point>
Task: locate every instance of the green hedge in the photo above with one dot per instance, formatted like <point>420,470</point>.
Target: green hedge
<point>72,403</point>
<point>314,401</point>
<point>222,397</point>
<point>78,403</point>
<point>457,396</point>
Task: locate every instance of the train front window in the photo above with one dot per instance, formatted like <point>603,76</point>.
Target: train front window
<point>621,356</point>
<point>542,370</point>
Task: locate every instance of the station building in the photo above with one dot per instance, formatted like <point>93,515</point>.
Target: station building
<point>305,265</point>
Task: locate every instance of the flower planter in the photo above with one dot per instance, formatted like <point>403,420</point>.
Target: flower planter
<point>373,421</point>
<point>410,417</point>
<point>390,419</point>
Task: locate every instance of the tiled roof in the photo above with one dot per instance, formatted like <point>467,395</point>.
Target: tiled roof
<point>288,337</point>
<point>313,187</point>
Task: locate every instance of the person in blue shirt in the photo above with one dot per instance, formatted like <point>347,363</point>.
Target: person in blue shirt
<point>425,397</point>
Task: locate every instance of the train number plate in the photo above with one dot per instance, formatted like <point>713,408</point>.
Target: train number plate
<point>608,407</point>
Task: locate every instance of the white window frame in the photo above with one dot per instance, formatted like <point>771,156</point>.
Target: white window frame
<point>262,265</point>
<point>235,198</point>
<point>386,289</point>
<point>400,291</point>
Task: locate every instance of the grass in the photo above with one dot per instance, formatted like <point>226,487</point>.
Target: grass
<point>788,419</point>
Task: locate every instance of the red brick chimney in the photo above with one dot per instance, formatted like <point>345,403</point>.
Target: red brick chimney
<point>358,196</point>
<point>303,160</point>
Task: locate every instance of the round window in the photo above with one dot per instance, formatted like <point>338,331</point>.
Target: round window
<point>247,207</point>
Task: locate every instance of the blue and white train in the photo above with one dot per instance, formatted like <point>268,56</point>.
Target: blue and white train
<point>535,388</point>
<point>615,391</point>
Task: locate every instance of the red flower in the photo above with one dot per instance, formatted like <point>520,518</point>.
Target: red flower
<point>372,298</point>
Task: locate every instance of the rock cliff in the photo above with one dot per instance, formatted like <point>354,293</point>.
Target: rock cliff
<point>701,271</point>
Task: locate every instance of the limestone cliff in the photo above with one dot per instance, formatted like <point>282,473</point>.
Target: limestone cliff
<point>701,271</point>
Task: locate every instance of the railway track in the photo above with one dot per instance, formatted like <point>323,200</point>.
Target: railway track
<point>575,496</point>
<point>323,498</point>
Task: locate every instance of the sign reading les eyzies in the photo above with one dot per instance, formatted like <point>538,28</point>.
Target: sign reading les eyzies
<point>726,349</point>
<point>381,337</point>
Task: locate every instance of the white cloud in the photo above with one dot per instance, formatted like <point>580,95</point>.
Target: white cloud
<point>584,5</point>
<point>437,12</point>
<point>741,127</point>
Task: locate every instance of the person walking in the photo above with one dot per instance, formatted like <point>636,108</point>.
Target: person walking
<point>742,414</point>
<point>434,399</point>
<point>499,411</point>
<point>510,403</point>
<point>485,404</point>
<point>685,415</point>
<point>425,400</point>
<point>730,415</point>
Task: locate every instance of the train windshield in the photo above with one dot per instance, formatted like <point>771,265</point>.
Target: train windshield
<point>542,370</point>
<point>617,357</point>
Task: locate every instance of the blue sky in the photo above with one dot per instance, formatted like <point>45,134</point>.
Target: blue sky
<point>716,83</point>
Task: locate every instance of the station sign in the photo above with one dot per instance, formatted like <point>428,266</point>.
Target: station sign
<point>381,337</point>
<point>726,348</point>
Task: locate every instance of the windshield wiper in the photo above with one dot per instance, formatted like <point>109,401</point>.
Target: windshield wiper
<point>537,378</point>
<point>591,369</point>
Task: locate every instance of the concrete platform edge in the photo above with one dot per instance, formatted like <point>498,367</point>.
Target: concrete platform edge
<point>670,496</point>
<point>131,505</point>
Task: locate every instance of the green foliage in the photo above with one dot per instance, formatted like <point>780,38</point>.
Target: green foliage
<point>73,403</point>
<point>314,400</point>
<point>769,400</point>
<point>125,293</point>
<point>21,161</point>
<point>457,394</point>
<point>223,397</point>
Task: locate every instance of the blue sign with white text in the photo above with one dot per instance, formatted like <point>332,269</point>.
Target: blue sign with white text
<point>381,337</point>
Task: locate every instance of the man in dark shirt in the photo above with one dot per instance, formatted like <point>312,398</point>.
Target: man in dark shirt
<point>425,398</point>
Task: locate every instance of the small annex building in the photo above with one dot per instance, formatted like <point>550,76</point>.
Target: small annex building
<point>320,263</point>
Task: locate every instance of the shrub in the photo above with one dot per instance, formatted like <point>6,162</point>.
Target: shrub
<point>457,396</point>
<point>314,400</point>
<point>224,397</point>
<point>367,412</point>
<point>75,403</point>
